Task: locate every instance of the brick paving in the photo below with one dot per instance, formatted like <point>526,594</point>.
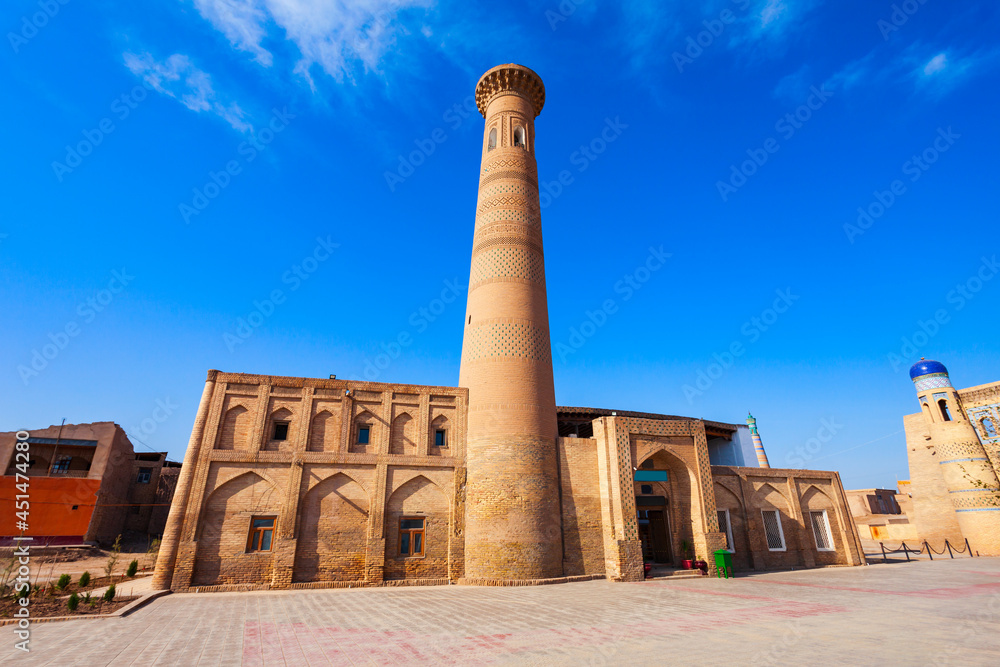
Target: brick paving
<point>931,613</point>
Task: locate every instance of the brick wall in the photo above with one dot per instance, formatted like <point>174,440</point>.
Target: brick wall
<point>336,505</point>
<point>332,538</point>
<point>581,507</point>
<point>794,494</point>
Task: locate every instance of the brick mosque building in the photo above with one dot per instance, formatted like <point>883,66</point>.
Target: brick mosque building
<point>953,446</point>
<point>303,482</point>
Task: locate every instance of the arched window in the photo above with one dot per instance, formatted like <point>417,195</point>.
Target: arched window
<point>989,428</point>
<point>945,413</point>
<point>493,140</point>
<point>519,137</point>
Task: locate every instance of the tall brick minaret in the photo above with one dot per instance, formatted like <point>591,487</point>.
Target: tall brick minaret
<point>513,525</point>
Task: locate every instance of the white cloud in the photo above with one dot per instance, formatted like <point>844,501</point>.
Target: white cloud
<point>337,35</point>
<point>936,64</point>
<point>242,22</point>
<point>179,78</point>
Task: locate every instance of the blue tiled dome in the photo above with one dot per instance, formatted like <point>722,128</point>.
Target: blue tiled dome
<point>926,367</point>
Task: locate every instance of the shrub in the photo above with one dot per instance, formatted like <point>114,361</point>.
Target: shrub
<point>113,557</point>
<point>109,594</point>
<point>73,602</point>
<point>132,568</point>
<point>84,579</point>
<point>63,581</point>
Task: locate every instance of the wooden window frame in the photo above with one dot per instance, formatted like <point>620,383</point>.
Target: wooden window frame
<point>422,531</point>
<point>145,476</point>
<point>253,544</point>
<point>444,437</point>
<point>357,437</point>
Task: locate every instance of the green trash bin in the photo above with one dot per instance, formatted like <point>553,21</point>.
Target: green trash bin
<point>724,564</point>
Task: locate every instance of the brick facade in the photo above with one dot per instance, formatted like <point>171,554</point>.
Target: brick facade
<point>506,500</point>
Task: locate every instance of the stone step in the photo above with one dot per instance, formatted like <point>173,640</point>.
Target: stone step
<point>672,573</point>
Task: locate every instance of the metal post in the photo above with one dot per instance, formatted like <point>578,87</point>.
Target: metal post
<point>883,552</point>
<point>968,548</point>
<point>928,547</point>
<point>948,544</point>
<point>906,550</point>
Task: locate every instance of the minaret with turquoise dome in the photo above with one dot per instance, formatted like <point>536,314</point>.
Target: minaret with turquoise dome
<point>968,474</point>
<point>758,446</point>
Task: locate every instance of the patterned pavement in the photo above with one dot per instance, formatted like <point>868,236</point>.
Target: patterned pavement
<point>930,613</point>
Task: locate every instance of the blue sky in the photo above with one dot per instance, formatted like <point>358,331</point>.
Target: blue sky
<point>171,167</point>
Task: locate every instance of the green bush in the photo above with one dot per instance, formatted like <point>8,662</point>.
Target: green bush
<point>84,579</point>
<point>109,594</point>
<point>73,602</point>
<point>132,568</point>
<point>63,581</point>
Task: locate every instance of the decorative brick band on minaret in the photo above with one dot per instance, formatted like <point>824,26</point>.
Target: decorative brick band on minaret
<point>758,445</point>
<point>513,526</point>
<point>968,473</point>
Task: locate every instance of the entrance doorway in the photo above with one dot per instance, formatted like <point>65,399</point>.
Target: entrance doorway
<point>654,531</point>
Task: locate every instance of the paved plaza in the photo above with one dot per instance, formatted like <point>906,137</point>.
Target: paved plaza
<point>945,612</point>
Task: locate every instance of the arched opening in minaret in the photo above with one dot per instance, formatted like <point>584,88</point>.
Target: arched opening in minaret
<point>492,143</point>
<point>988,428</point>
<point>519,137</point>
<point>945,413</point>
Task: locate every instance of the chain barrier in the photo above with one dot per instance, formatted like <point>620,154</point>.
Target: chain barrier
<point>926,548</point>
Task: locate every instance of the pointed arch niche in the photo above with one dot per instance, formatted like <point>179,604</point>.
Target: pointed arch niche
<point>333,531</point>
<point>419,498</point>
<point>221,556</point>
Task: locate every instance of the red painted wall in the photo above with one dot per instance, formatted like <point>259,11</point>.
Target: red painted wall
<point>50,507</point>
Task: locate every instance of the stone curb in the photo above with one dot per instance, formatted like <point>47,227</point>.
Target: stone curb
<point>124,611</point>
<point>528,582</point>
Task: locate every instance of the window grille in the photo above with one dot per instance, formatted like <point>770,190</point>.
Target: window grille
<point>726,529</point>
<point>772,529</point>
<point>821,531</point>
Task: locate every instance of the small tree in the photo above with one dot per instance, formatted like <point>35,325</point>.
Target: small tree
<point>152,551</point>
<point>73,602</point>
<point>109,594</point>
<point>84,580</point>
<point>63,581</point>
<point>133,567</point>
<point>116,550</point>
